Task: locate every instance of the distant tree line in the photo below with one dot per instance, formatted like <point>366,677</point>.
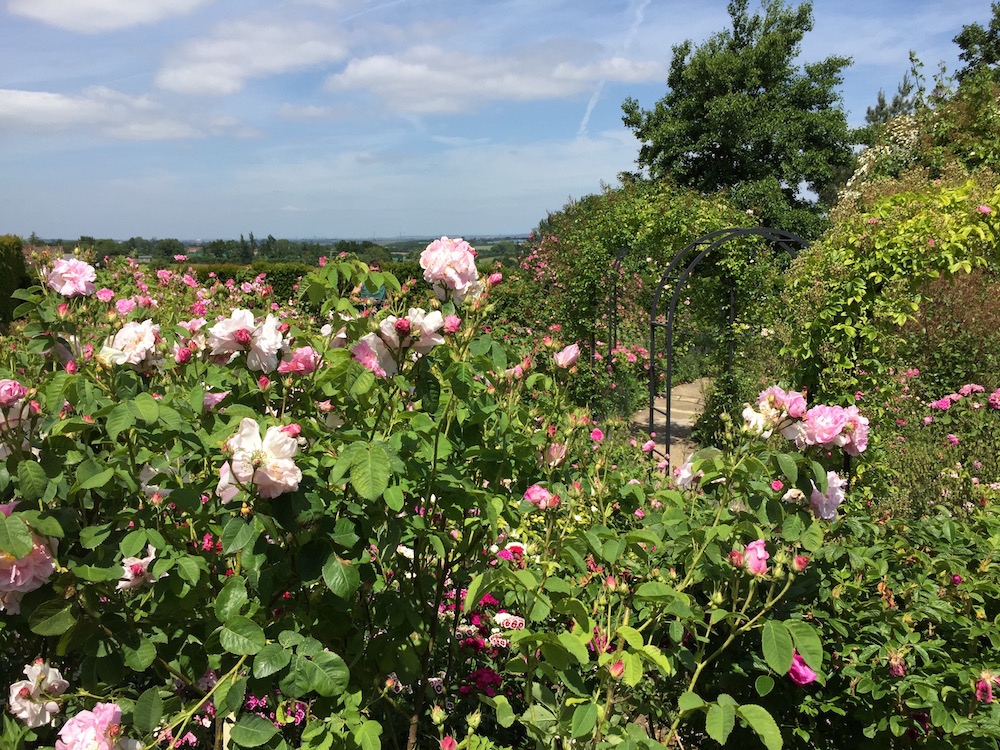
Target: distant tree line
<point>249,249</point>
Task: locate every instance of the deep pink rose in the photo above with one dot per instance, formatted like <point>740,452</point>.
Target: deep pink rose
<point>541,498</point>
<point>800,672</point>
<point>11,393</point>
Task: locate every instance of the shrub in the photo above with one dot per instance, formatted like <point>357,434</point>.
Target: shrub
<point>13,274</point>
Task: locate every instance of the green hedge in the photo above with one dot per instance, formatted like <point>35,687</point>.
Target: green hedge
<point>13,274</point>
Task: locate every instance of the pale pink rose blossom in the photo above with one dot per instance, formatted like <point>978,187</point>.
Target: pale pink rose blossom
<point>824,504</point>
<point>134,344</point>
<point>568,356</point>
<point>105,295</point>
<point>825,426</point>
<point>31,699</point>
<point>554,454</point>
<point>212,400</point>
<point>125,306</point>
<point>266,463</point>
<point>373,354</point>
<point>98,729</point>
<point>239,333</point>
<point>452,324</point>
<point>756,557</point>
<point>23,575</point>
<point>72,278</point>
<point>137,570</point>
<point>450,267</point>
<point>856,430</point>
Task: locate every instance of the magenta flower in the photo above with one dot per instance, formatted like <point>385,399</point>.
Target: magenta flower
<point>596,435</point>
<point>800,672</point>
<point>984,687</point>
<point>105,295</point>
<point>952,439</point>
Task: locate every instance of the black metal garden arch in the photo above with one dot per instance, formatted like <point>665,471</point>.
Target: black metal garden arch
<point>789,242</point>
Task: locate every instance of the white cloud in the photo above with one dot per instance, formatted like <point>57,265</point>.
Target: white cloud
<point>101,110</point>
<point>304,112</point>
<point>222,63</point>
<point>95,16</point>
<point>431,80</point>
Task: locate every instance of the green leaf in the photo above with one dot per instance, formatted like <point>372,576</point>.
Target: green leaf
<point>341,577</point>
<point>369,735</point>
<point>807,643</point>
<point>505,714</point>
<point>252,731</point>
<point>656,592</point>
<point>776,643</point>
<point>53,617</point>
<point>148,710</point>
<point>140,658</point>
<point>237,535</point>
<point>326,674</point>
<point>93,537</point>
<point>16,538</point>
<point>119,420</point>
<point>188,569</point>
<point>145,407</point>
<point>235,695</point>
<point>31,480</point>
<point>584,720</point>
<point>819,475</point>
<point>761,722</point>
<point>719,722</point>
<point>788,467</point>
<point>689,702</point>
<point>763,685</point>
<point>231,599</point>
<point>393,497</point>
<point>812,538</point>
<point>572,644</point>
<point>133,542</point>
<point>272,658</point>
<point>370,472</point>
<point>242,636</point>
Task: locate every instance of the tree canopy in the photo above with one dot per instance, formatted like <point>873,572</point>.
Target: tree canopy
<point>741,114</point>
<point>980,46</point>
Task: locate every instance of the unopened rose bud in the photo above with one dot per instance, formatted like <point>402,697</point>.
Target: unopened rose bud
<point>63,310</point>
<point>799,563</point>
<point>402,326</point>
<point>617,669</point>
<point>438,715</point>
<point>183,356</point>
<point>473,720</point>
<point>736,558</point>
<point>294,430</point>
<point>242,336</point>
<point>71,367</point>
<point>263,383</point>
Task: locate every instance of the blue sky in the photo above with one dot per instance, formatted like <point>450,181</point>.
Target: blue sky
<point>363,118</point>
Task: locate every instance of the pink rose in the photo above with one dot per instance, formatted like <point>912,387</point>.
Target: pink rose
<point>450,267</point>
<point>596,435</point>
<point>800,672</point>
<point>825,425</point>
<point>124,306</point>
<point>212,400</point>
<point>824,504</point>
<point>11,393</point>
<point>495,278</point>
<point>72,278</point>
<point>452,324</point>
<point>18,577</point>
<point>554,454</point>
<point>31,699</point>
<point>648,446</point>
<point>136,570</point>
<point>303,362</point>
<point>541,498</point>
<point>756,557</point>
<point>736,558</point>
<point>568,356</point>
<point>856,429</point>
<point>105,295</point>
<point>98,729</point>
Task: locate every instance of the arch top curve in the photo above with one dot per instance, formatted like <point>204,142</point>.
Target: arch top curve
<point>787,241</point>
